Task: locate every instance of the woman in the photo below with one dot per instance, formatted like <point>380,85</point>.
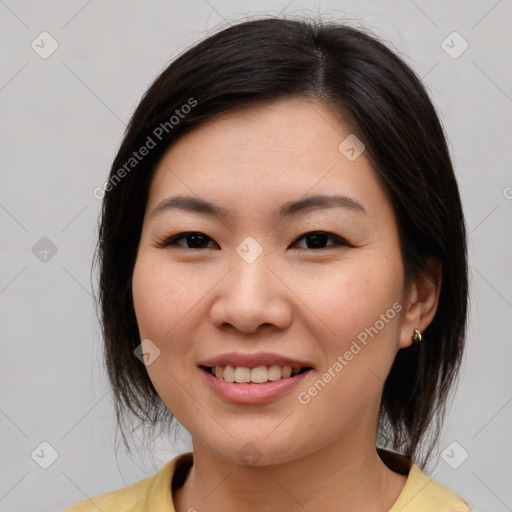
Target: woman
<point>283,269</point>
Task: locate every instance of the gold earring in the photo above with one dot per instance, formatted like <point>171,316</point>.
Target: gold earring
<point>416,337</point>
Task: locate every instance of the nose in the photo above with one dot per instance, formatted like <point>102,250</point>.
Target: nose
<point>252,296</point>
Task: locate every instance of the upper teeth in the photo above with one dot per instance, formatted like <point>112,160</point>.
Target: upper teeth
<point>257,375</point>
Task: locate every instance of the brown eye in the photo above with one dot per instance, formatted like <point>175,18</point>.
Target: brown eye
<point>319,239</point>
<point>191,240</point>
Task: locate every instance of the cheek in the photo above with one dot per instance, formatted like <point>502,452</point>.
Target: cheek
<point>167,303</point>
<point>358,308</point>
<point>359,311</point>
<point>164,296</point>
<point>353,297</point>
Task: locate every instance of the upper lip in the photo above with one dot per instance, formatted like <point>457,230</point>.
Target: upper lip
<point>253,360</point>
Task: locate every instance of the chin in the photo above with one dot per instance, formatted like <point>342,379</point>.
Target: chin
<point>258,450</point>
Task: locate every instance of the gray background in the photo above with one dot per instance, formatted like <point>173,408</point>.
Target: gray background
<point>62,120</point>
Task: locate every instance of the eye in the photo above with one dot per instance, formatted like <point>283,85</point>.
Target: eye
<point>318,239</point>
<point>198,240</point>
<point>192,240</point>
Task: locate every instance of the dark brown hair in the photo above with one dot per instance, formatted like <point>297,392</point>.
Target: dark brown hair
<point>387,107</point>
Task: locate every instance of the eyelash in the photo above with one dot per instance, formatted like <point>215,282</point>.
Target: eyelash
<point>172,241</point>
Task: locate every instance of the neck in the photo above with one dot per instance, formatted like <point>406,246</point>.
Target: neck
<point>345,477</point>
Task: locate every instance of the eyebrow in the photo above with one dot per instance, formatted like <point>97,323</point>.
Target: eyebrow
<point>291,208</point>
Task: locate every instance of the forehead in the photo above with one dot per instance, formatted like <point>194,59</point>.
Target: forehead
<point>266,155</point>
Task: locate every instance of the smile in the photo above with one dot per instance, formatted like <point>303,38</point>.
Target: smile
<point>257,375</point>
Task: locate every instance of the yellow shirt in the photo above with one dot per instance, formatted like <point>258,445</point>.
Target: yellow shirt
<point>153,494</point>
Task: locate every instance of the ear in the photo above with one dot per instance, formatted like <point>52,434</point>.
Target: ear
<point>421,302</point>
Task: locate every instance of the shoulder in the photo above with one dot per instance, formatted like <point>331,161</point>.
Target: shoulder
<point>127,499</point>
<point>422,493</point>
<point>152,493</point>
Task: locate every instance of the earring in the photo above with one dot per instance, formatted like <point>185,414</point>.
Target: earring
<point>416,337</point>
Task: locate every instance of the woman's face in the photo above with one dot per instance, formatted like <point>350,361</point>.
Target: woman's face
<point>249,290</point>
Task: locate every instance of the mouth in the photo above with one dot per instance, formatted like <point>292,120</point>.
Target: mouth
<point>255,375</point>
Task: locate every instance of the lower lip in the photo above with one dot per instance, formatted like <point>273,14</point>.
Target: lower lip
<point>250,393</point>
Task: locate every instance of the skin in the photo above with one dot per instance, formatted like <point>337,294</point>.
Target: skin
<point>294,299</point>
